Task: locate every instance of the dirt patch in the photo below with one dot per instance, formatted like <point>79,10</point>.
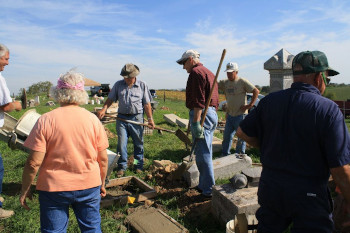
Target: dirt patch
<point>109,133</point>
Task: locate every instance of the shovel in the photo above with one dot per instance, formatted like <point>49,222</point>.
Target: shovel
<point>186,165</point>
<point>182,136</point>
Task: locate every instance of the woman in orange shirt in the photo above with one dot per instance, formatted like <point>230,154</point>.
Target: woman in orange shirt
<point>69,145</point>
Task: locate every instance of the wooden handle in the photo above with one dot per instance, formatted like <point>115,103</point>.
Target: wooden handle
<point>212,88</point>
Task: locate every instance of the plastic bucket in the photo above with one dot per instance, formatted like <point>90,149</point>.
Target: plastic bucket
<point>230,226</point>
<point>26,123</point>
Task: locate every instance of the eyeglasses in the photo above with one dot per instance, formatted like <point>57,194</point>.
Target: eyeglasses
<point>325,79</point>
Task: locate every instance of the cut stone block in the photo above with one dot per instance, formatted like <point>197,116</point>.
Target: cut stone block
<point>182,122</point>
<point>152,220</point>
<point>171,118</point>
<point>227,202</point>
<point>253,174</point>
<point>224,168</point>
<point>217,144</point>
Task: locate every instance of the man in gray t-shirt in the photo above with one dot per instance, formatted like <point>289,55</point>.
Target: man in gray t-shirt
<point>134,99</point>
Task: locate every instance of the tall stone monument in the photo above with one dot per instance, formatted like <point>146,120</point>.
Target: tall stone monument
<point>280,68</point>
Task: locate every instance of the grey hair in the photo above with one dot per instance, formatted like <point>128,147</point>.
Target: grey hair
<point>70,96</point>
<point>3,50</point>
<point>196,60</point>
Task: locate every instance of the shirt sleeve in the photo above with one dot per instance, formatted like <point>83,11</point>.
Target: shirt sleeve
<point>147,97</point>
<point>113,93</point>
<point>36,140</point>
<point>5,96</point>
<point>337,141</point>
<point>248,86</point>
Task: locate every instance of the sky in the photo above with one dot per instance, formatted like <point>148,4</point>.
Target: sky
<point>97,37</point>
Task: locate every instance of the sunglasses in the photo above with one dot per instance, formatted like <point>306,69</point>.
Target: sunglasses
<point>325,79</point>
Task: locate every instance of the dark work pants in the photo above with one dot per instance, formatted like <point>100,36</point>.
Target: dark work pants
<point>305,204</point>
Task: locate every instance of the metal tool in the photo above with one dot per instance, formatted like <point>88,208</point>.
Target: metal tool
<point>186,165</point>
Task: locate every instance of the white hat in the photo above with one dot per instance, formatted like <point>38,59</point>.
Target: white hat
<point>187,54</point>
<point>231,66</point>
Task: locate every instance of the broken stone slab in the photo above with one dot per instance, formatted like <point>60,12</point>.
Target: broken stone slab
<point>152,220</point>
<point>227,202</point>
<point>224,168</point>
<point>112,162</point>
<point>143,192</point>
<point>183,123</point>
<point>171,118</point>
<point>253,175</point>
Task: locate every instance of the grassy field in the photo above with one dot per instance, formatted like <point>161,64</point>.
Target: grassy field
<point>340,93</point>
<point>156,147</point>
<point>166,146</point>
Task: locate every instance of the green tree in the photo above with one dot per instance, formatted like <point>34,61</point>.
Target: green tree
<point>39,88</point>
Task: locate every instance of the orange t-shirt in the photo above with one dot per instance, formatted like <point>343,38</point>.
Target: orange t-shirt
<point>71,138</point>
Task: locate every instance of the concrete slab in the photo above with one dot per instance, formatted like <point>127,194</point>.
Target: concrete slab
<point>171,118</point>
<point>224,168</point>
<point>217,144</point>
<point>253,175</point>
<point>227,202</point>
<point>183,123</point>
<point>151,220</point>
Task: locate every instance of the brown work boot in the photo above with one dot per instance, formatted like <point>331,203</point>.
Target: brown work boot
<point>120,173</point>
<point>6,213</point>
<point>2,199</point>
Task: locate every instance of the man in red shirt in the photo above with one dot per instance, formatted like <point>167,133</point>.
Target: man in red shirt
<point>199,84</point>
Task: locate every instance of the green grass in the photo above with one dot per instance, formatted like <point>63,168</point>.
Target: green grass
<point>156,146</point>
<point>340,92</point>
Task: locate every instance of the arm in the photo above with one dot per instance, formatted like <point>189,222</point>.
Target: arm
<point>341,176</point>
<point>102,160</point>
<point>252,102</point>
<point>16,105</point>
<point>148,110</point>
<point>30,170</point>
<point>254,142</point>
<point>197,114</point>
<point>102,112</point>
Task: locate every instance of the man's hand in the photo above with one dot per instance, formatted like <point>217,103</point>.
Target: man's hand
<point>100,114</point>
<point>243,108</point>
<point>197,129</point>
<point>18,105</point>
<point>151,123</point>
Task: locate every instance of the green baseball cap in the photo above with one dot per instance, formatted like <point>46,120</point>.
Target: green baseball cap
<point>308,62</point>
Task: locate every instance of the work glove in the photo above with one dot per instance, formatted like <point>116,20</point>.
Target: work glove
<point>197,130</point>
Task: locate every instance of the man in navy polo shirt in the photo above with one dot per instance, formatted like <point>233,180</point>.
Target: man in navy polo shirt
<point>303,138</point>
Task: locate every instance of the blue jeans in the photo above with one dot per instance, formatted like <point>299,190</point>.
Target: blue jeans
<point>204,152</point>
<point>124,130</point>
<point>54,210</point>
<point>231,126</point>
<point>1,176</point>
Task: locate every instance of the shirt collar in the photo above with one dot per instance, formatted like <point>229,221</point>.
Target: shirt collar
<point>137,82</point>
<point>305,87</point>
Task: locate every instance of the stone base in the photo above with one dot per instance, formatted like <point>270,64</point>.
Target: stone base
<point>224,168</point>
<point>227,202</point>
